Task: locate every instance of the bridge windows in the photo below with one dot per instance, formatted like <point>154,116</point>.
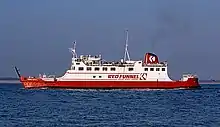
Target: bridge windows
<point>163,69</point>
<point>145,69</point>
<point>130,69</point>
<point>95,76</point>
<point>104,68</point>
<point>72,67</point>
<point>151,69</point>
<point>88,68</point>
<point>112,68</point>
<point>80,68</point>
<point>157,69</point>
<point>77,63</point>
<point>96,68</point>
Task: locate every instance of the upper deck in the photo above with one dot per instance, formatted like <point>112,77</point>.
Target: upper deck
<point>89,60</point>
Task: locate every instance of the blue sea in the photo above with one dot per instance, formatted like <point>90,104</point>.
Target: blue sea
<point>109,108</point>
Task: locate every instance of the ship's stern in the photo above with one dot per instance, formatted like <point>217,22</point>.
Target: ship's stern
<point>192,81</point>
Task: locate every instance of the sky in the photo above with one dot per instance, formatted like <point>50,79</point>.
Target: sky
<point>35,35</point>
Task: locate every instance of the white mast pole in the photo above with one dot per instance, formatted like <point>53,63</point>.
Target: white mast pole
<point>73,51</point>
<point>126,47</point>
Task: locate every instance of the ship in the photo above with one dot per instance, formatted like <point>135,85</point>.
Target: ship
<point>93,72</point>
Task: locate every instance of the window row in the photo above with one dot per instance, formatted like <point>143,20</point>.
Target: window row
<point>97,76</point>
<point>157,69</point>
<point>96,69</point>
<point>113,69</point>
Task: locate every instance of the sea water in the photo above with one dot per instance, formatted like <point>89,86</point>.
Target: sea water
<point>148,108</point>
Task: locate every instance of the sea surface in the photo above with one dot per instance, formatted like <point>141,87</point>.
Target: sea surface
<point>148,108</point>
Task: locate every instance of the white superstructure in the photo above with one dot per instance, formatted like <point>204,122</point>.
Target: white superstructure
<point>87,67</point>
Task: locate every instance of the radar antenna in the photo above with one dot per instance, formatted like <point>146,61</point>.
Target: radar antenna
<point>126,47</point>
<point>73,50</point>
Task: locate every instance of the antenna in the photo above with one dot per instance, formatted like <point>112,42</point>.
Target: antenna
<point>126,47</point>
<point>73,50</point>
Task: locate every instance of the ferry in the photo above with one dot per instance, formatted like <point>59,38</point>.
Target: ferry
<point>93,72</point>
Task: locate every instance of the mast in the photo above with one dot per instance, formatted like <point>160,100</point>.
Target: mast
<point>126,54</point>
<point>73,50</point>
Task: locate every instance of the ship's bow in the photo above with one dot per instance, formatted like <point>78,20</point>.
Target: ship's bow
<point>31,82</point>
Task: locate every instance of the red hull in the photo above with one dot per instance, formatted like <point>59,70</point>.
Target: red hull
<point>39,83</point>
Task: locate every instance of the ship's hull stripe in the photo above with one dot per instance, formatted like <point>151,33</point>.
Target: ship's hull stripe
<point>191,83</point>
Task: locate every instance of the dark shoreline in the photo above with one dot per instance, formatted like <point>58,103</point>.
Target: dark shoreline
<point>8,78</point>
<point>9,81</point>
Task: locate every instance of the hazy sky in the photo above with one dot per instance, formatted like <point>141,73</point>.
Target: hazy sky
<point>36,35</point>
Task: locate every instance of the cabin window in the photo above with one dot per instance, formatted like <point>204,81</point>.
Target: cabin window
<point>130,69</point>
<point>78,60</point>
<point>112,69</point>
<point>157,69</point>
<point>80,68</point>
<point>73,68</point>
<point>163,69</point>
<point>151,69</point>
<point>89,68</point>
<point>93,76</point>
<point>96,68</point>
<point>145,69</point>
<point>104,68</point>
<point>100,76</point>
<point>77,63</point>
